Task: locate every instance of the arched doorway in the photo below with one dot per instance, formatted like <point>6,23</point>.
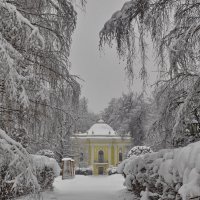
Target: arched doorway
<point>101,156</point>
<point>100,170</point>
<point>120,156</point>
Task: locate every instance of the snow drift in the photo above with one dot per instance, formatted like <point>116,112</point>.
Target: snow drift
<point>166,174</point>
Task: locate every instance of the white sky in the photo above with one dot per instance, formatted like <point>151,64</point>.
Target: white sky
<point>103,75</point>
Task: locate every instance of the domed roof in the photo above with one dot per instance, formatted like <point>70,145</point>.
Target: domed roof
<point>101,129</point>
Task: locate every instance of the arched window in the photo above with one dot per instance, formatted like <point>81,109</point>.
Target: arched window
<point>120,156</point>
<point>101,156</point>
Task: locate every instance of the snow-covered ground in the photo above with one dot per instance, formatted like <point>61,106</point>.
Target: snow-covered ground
<point>89,188</point>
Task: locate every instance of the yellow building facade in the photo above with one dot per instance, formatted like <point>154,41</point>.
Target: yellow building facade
<point>101,148</point>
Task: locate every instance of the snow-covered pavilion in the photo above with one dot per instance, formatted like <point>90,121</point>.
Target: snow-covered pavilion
<point>101,147</point>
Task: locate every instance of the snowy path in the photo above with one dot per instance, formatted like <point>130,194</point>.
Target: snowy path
<point>89,188</point>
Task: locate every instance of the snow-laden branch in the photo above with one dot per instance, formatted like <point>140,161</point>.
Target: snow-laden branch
<point>174,29</point>
<point>22,21</point>
<point>184,108</point>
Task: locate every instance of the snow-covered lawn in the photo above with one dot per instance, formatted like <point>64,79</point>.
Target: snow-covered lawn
<point>89,188</point>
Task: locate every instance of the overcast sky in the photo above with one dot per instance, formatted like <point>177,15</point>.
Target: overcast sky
<point>103,75</point>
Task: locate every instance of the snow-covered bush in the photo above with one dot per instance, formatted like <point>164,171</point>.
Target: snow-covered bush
<point>112,170</point>
<point>166,174</point>
<point>139,150</point>
<point>46,152</point>
<point>46,170</point>
<point>132,154</point>
<point>22,173</point>
<point>16,169</point>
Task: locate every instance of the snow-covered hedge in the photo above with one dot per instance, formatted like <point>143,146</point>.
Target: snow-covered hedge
<point>167,174</point>
<point>16,169</point>
<point>132,154</point>
<point>46,170</point>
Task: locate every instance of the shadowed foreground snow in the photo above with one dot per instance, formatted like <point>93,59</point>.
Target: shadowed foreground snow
<point>89,188</point>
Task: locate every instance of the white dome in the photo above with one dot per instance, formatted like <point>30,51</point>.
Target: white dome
<point>101,128</point>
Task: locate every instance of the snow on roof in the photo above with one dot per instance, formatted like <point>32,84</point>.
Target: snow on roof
<point>101,129</point>
<point>66,159</point>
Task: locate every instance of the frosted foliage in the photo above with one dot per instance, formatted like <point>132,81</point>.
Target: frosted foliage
<point>46,152</point>
<point>165,174</point>
<point>128,181</point>
<point>40,162</point>
<point>173,28</point>
<point>139,150</point>
<point>11,56</point>
<point>121,166</point>
<point>38,93</point>
<point>46,170</point>
<point>127,115</point>
<point>176,45</point>
<point>21,20</point>
<point>20,174</point>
